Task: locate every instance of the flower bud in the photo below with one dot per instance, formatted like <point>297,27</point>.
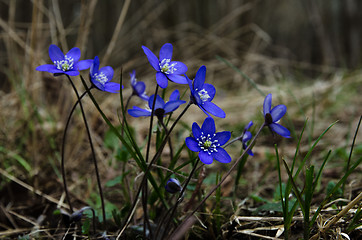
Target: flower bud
<point>173,186</point>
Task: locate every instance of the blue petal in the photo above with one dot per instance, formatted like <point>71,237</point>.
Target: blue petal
<point>95,66</point>
<point>248,126</point>
<point>139,88</point>
<point>205,157</point>
<point>177,78</point>
<point>74,53</point>
<point>196,130</point>
<point>192,144</point>
<point>180,67</point>
<point>200,78</point>
<point>84,64</point>
<point>138,112</point>
<point>143,96</point>
<point>108,71</point>
<point>190,83</point>
<point>213,109</point>
<point>72,73</point>
<point>222,137</point>
<point>161,79</point>
<point>46,68</point>
<point>160,103</point>
<point>99,85</point>
<point>278,112</point>
<point>246,136</point>
<point>208,127</point>
<point>267,104</point>
<point>175,95</point>
<point>152,58</point>
<point>55,53</point>
<point>279,129</point>
<point>210,89</point>
<point>133,78</point>
<point>112,87</point>
<point>166,51</point>
<point>221,155</point>
<point>172,105</point>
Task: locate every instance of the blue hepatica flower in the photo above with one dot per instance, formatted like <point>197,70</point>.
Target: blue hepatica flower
<point>173,186</point>
<point>138,87</point>
<point>272,116</point>
<point>65,64</point>
<point>203,93</point>
<point>208,143</point>
<point>161,108</point>
<point>101,77</point>
<point>247,136</point>
<point>166,69</point>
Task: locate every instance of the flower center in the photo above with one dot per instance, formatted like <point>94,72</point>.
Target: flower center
<point>268,119</point>
<point>66,64</point>
<point>204,95</point>
<point>100,77</point>
<point>207,144</point>
<point>166,67</point>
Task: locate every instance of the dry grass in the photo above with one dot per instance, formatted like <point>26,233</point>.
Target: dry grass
<point>34,105</point>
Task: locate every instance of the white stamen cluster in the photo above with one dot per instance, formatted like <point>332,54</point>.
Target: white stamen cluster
<point>166,67</point>
<point>66,64</point>
<point>204,95</point>
<point>207,144</point>
<point>100,77</point>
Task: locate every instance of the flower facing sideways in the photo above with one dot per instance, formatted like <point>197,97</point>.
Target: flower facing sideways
<point>138,87</point>
<point>166,69</point>
<point>65,64</point>
<point>247,137</point>
<point>101,77</point>
<point>272,116</point>
<point>208,143</point>
<point>173,186</point>
<point>161,108</point>
<point>203,93</point>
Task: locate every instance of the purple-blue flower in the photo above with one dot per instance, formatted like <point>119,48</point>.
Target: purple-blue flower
<point>101,78</point>
<point>247,137</point>
<point>161,108</point>
<point>203,93</point>
<point>65,64</point>
<point>166,69</point>
<point>272,116</point>
<point>208,143</point>
<point>138,87</point>
<point>173,186</point>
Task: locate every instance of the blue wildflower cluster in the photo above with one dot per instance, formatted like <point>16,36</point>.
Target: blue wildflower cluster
<point>205,140</point>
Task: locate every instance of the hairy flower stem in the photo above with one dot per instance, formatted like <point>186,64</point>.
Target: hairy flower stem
<point>180,198</point>
<point>63,150</point>
<point>125,110</point>
<point>146,221</point>
<point>221,181</point>
<point>169,139</point>
<point>157,155</point>
<point>93,153</point>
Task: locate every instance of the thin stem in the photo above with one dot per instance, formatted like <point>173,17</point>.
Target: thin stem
<point>179,200</point>
<point>157,155</point>
<point>63,150</point>
<point>169,140</point>
<point>221,181</point>
<point>144,191</point>
<point>93,152</point>
<point>125,110</point>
